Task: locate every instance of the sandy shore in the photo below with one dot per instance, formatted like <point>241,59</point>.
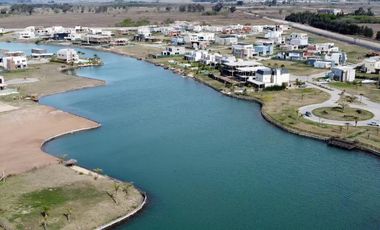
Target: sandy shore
<point>24,130</point>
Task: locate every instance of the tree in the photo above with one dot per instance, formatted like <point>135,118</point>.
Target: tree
<point>367,32</point>
<point>112,196</point>
<point>168,8</point>
<point>218,7</point>
<point>232,9</point>
<point>378,35</point>
<point>67,214</point>
<point>182,8</point>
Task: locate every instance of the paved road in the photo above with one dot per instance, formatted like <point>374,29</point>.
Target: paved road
<point>365,104</point>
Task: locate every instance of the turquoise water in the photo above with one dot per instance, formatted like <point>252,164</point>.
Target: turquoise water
<point>208,161</point>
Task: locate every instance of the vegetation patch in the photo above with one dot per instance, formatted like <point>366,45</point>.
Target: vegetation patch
<point>343,114</point>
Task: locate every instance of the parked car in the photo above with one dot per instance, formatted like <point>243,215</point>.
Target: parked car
<point>308,114</point>
<point>373,123</point>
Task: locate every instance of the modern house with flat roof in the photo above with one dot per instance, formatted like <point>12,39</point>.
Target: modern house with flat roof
<point>267,77</point>
<point>371,65</point>
<point>343,73</point>
<point>243,51</point>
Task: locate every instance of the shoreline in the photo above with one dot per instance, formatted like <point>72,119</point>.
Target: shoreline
<point>91,125</point>
<point>97,125</point>
<point>359,146</point>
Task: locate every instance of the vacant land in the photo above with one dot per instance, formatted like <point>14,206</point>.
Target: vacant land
<point>51,80</point>
<point>346,114</point>
<point>31,123</point>
<point>60,198</point>
<point>136,13</point>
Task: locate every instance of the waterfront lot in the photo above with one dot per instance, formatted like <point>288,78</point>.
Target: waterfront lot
<point>60,191</point>
<point>50,80</point>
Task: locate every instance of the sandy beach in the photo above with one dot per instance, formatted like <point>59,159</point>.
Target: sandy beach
<point>29,128</point>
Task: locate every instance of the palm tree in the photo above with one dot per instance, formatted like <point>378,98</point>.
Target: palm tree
<point>116,186</point>
<point>67,214</point>
<point>44,223</point>
<point>112,196</point>
<point>45,214</point>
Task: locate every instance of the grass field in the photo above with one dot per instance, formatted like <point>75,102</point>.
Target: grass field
<point>63,199</point>
<point>348,114</point>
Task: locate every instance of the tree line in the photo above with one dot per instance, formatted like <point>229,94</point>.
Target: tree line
<point>330,22</point>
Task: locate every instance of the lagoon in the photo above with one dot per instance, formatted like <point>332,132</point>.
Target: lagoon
<point>208,161</point>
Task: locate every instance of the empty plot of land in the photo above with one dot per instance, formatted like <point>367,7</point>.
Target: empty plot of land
<point>71,200</point>
<point>104,20</point>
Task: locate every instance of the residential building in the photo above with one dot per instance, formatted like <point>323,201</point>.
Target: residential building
<point>322,64</point>
<point>233,68</point>
<point>26,34</point>
<point>120,41</point>
<point>242,50</point>
<point>15,60</point>
<point>226,40</point>
<point>267,77</point>
<point>343,73</point>
<point>264,50</point>
<point>323,48</point>
<point>68,55</point>
<point>330,11</point>
<point>299,39</point>
<point>41,53</point>
<point>97,39</point>
<point>337,58</point>
<point>177,41</point>
<point>371,65</point>
<point>294,55</point>
<point>173,50</point>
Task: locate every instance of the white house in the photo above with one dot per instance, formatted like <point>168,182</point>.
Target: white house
<point>73,36</point>
<point>267,77</point>
<point>68,55</point>
<point>322,64</point>
<point>343,73</point>
<point>195,55</point>
<point>26,34</point>
<point>371,65</point>
<point>226,40</point>
<point>173,50</point>
<point>299,39</point>
<point>198,37</point>
<point>272,34</point>
<point>15,60</point>
<point>338,58</point>
<point>244,51</point>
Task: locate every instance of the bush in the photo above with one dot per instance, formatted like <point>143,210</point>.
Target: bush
<point>275,88</point>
